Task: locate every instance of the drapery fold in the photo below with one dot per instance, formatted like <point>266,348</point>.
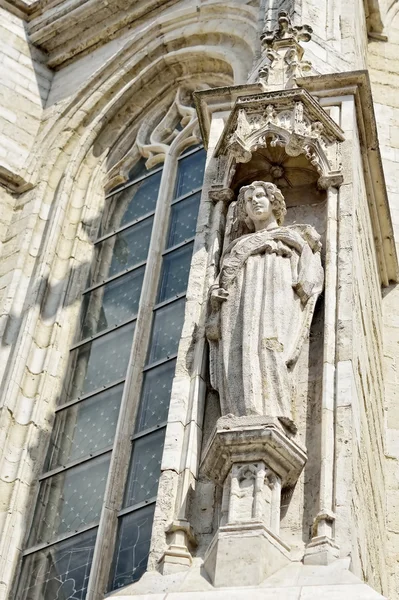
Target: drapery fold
<point>262,307</point>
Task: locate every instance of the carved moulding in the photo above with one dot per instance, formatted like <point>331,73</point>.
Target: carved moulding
<point>291,119</point>
<point>253,461</point>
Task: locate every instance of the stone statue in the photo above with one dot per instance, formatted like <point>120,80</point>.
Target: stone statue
<point>262,305</point>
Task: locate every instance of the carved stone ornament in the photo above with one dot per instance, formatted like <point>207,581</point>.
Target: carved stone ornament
<point>153,139</point>
<point>282,60</point>
<point>291,119</point>
<point>156,134</point>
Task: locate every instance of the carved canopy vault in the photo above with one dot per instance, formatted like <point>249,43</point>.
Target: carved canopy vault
<point>291,119</point>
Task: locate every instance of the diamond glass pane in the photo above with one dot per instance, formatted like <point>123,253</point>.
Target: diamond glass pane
<point>145,468</point>
<point>175,271</point>
<point>131,203</point>
<point>166,330</point>
<point>84,428</point>
<point>155,396</point>
<point>183,220</point>
<point>121,251</point>
<point>59,572</point>
<point>70,500</point>
<point>101,362</point>
<point>112,303</point>
<point>132,548</point>
<point>190,173</point>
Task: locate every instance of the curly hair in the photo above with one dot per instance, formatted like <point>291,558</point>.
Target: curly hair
<point>272,192</point>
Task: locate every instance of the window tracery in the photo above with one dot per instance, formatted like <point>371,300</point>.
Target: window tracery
<point>136,289</point>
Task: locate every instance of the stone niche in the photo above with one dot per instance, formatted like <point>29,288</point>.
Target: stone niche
<point>267,476</point>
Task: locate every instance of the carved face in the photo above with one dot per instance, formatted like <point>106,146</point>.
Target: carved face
<point>257,204</point>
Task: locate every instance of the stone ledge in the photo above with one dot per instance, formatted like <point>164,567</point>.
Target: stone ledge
<point>296,581</point>
<point>359,591</point>
<point>13,182</point>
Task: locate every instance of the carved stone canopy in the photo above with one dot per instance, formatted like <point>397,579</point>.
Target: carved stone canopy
<point>291,119</point>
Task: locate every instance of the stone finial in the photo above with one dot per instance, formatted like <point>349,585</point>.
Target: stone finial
<point>282,62</point>
<point>285,31</point>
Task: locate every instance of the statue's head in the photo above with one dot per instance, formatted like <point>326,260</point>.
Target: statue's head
<point>258,201</point>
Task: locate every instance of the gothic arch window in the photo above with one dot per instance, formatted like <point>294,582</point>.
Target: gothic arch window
<point>103,464</point>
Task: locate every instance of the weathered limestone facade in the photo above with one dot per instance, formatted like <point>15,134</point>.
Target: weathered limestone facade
<point>278,481</point>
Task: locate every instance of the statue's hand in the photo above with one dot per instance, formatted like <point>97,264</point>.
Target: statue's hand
<point>218,295</point>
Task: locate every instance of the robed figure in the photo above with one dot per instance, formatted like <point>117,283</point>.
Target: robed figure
<point>262,304</point>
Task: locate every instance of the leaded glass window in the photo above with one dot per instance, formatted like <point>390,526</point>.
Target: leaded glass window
<point>107,386</point>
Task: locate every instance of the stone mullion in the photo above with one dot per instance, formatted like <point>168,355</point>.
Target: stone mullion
<point>107,530</point>
<point>188,392</point>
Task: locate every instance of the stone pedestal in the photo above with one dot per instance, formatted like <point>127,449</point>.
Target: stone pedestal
<point>252,458</point>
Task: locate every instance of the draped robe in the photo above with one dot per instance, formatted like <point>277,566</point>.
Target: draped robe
<point>261,311</point>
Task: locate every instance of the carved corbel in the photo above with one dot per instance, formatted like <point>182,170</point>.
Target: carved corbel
<point>224,195</point>
<point>332,179</point>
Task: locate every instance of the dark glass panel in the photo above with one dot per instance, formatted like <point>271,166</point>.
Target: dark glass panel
<point>190,173</point>
<point>70,500</point>
<point>145,468</point>
<point>132,547</point>
<point>101,362</point>
<point>139,170</point>
<point>112,304</point>
<point>183,220</point>
<point>121,251</point>
<point>84,428</point>
<point>155,396</point>
<point>175,271</point>
<point>129,204</point>
<point>59,572</point>
<point>166,330</point>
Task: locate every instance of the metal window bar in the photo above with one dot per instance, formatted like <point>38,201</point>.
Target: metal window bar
<point>188,152</point>
<point>57,540</point>
<point>90,394</point>
<point>130,183</point>
<point>110,234</point>
<point>178,246</point>
<point>96,336</point>
<point>113,277</point>
<point>65,405</point>
<point>130,509</point>
<point>148,431</point>
<point>186,195</point>
<point>161,361</point>
<point>74,463</point>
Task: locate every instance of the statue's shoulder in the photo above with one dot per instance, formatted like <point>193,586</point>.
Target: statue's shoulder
<point>237,244</point>
<point>308,233</point>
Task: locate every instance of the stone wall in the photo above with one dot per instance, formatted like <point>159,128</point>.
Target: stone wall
<point>368,418</point>
<point>383,68</point>
<point>25,84</point>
